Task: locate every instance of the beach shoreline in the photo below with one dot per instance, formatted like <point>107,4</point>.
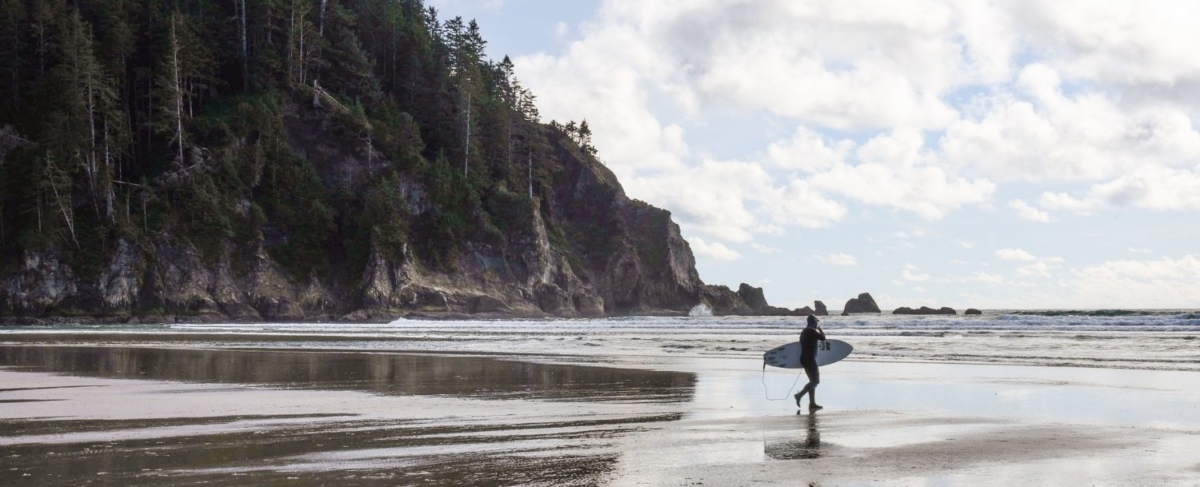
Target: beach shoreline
<point>311,417</point>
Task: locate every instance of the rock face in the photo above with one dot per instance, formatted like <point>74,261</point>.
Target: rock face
<point>972,311</point>
<point>864,303</point>
<point>820,308</point>
<point>924,310</point>
<point>162,281</point>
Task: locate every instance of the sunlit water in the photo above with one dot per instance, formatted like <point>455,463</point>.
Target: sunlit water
<point>1157,340</point>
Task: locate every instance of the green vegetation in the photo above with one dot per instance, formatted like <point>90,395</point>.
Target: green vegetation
<point>303,124</point>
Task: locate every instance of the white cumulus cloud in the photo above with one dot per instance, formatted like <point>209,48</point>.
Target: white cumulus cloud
<point>1160,283</point>
<point>1027,212</point>
<point>715,250</point>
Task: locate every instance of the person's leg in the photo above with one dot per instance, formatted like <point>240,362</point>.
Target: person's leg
<point>808,388</point>
<point>814,381</point>
<point>800,395</point>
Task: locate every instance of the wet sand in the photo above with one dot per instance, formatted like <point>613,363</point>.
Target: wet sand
<point>87,414</point>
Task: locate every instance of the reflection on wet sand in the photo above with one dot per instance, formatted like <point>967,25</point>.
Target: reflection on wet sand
<point>465,376</point>
<point>307,453</point>
<point>808,448</point>
<point>505,444</point>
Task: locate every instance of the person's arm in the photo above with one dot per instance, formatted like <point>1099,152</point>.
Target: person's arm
<point>821,333</point>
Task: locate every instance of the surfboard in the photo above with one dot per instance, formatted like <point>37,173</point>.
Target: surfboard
<point>788,356</point>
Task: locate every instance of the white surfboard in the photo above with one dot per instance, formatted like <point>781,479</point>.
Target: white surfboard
<point>788,356</point>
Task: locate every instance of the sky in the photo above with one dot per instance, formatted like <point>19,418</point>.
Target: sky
<point>966,153</point>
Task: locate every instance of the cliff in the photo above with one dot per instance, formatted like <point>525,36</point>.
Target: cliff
<point>580,248</point>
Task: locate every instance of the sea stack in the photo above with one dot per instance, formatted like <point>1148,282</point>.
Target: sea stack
<point>753,296</point>
<point>820,308</point>
<point>864,303</point>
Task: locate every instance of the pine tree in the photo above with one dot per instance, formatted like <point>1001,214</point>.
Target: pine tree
<point>171,90</point>
<point>12,23</point>
<point>183,75</point>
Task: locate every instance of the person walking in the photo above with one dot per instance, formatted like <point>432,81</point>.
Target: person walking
<point>809,339</point>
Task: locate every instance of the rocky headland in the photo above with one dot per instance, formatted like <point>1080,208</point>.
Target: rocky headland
<point>581,248</point>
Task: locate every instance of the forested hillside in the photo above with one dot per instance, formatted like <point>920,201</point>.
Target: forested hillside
<point>282,159</point>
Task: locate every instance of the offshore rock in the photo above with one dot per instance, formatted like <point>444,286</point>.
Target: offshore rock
<point>864,303</point>
<point>753,297</point>
<point>972,311</point>
<point>820,308</point>
<point>924,310</point>
<point>724,301</point>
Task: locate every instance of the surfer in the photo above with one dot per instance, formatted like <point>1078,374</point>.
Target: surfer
<point>808,359</point>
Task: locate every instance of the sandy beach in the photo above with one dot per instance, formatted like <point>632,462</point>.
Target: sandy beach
<point>138,411</point>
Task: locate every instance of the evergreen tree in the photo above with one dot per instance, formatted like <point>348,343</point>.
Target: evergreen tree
<point>12,25</point>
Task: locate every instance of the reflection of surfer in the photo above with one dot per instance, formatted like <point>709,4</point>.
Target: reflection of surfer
<point>808,359</point>
<point>812,440</point>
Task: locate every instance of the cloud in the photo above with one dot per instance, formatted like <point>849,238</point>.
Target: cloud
<point>890,170</point>
<point>733,200</point>
<point>1069,108</point>
<point>1027,212</point>
<point>1041,269</point>
<point>713,198</point>
<point>808,151</point>
<point>715,250</point>
<point>758,118</point>
<point>1151,188</point>
<point>909,275</point>
<point>1038,269</point>
<point>1140,250</point>
<point>1160,283</point>
<point>838,259</point>
<point>1127,42</point>
<point>765,249</point>
<point>1014,254</point>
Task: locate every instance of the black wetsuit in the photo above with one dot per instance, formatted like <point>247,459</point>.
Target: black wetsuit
<point>808,353</point>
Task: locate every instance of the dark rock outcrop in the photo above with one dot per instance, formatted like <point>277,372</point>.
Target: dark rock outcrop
<point>748,301</point>
<point>487,304</point>
<point>864,303</point>
<point>924,310</point>
<point>972,311</point>
<point>753,296</point>
<point>820,308</point>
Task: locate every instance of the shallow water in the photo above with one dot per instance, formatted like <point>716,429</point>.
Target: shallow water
<point>459,376</point>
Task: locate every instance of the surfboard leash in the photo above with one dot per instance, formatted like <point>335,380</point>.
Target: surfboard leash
<point>767,391</point>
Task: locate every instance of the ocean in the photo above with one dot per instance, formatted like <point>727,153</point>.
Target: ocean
<point>1156,340</point>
